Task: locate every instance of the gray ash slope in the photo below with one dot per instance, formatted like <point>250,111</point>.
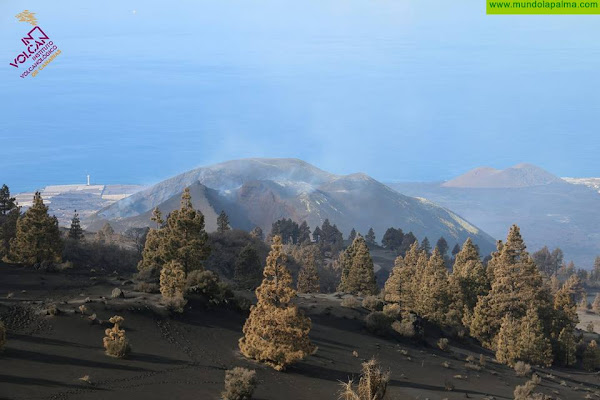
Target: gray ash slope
<point>257,192</point>
<point>549,210</point>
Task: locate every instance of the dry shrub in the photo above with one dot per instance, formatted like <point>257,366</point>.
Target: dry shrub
<point>482,360</point>
<point>392,310</point>
<point>470,359</point>
<point>372,303</point>
<point>372,384</point>
<point>590,327</point>
<point>525,392</point>
<point>174,304</point>
<point>115,342</point>
<point>82,309</point>
<point>239,384</point>
<point>522,369</point>
<point>146,287</point>
<point>443,344</point>
<point>404,328</point>
<point>472,367</point>
<point>378,323</point>
<point>2,335</point>
<point>86,379</point>
<point>350,302</point>
<point>52,310</point>
<point>448,386</point>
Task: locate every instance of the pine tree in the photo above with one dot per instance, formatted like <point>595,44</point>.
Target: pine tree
<point>596,304</point>
<point>276,332</point>
<point>517,285</point>
<point>403,285</point>
<point>106,234</point>
<point>565,306</point>
<point>533,345</point>
<point>172,281</point>
<point>434,299</point>
<point>152,259</point>
<point>568,347</point>
<point>257,232</point>
<point>8,230</point>
<point>182,239</point>
<point>442,246</point>
<point>185,239</point>
<point>370,238</point>
<point>303,233</point>
<point>157,218</point>
<point>360,276</point>
<point>468,279</point>
<point>426,246</point>
<point>317,235</point>
<point>222,222</point>
<point>455,250</point>
<point>392,239</point>
<point>507,342</point>
<point>308,276</point>
<point>247,268</point>
<point>591,356</point>
<point>7,203</point>
<point>37,238</point>
<point>344,263</point>
<point>75,232</point>
<point>352,235</point>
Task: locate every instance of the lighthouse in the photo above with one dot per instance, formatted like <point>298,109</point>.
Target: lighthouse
<point>88,179</point>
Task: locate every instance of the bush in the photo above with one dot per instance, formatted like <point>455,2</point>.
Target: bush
<point>146,287</point>
<point>372,303</point>
<point>378,323</point>
<point>525,392</point>
<point>482,360</point>
<point>590,327</point>
<point>208,285</point>
<point>404,328</point>
<point>392,310</point>
<point>443,344</point>
<point>115,342</point>
<point>2,335</point>
<point>372,384</point>
<point>239,384</point>
<point>350,302</point>
<point>522,369</point>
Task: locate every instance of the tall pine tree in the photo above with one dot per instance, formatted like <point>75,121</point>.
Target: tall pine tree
<point>7,202</point>
<point>276,332</point>
<point>517,285</point>
<point>75,231</point>
<point>223,222</point>
<point>38,237</point>
<point>358,273</point>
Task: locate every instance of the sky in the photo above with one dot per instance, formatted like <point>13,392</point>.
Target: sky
<point>403,90</point>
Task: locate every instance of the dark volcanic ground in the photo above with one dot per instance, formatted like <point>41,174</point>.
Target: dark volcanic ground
<point>186,357</point>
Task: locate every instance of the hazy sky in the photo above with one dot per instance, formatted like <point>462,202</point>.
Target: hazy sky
<point>399,89</point>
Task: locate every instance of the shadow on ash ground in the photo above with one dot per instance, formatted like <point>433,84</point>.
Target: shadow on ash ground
<point>186,357</point>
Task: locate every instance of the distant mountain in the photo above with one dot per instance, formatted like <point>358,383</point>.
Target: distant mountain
<point>521,175</point>
<point>257,192</point>
<point>549,210</point>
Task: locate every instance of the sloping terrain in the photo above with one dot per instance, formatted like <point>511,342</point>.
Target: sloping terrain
<point>186,357</point>
<point>257,192</point>
<point>556,214</point>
